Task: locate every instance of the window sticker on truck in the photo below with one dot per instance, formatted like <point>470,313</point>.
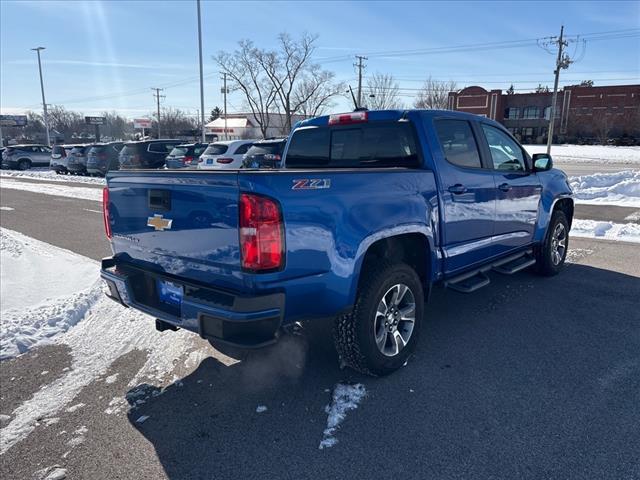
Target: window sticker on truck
<point>311,184</point>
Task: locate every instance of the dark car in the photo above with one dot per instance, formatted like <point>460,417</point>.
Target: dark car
<point>23,157</point>
<point>146,154</point>
<point>60,157</point>
<point>77,159</point>
<point>265,154</point>
<point>185,155</point>
<point>103,157</point>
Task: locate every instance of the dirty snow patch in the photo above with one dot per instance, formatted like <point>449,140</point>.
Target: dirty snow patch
<point>261,409</point>
<point>627,232</point>
<point>74,407</point>
<point>111,378</point>
<point>55,472</point>
<point>7,209</point>
<point>345,398</point>
<point>50,176</point>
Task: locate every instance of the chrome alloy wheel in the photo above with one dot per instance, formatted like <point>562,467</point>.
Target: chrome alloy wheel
<point>558,243</point>
<point>394,320</point>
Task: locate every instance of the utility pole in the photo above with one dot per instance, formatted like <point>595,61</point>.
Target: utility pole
<point>158,96</point>
<point>201,79</point>
<point>44,103</point>
<point>562,62</point>
<point>360,67</point>
<point>225,91</point>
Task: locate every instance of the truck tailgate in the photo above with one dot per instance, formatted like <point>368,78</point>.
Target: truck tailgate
<point>182,224</point>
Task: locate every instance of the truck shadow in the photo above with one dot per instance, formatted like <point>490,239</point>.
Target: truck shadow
<point>504,383</point>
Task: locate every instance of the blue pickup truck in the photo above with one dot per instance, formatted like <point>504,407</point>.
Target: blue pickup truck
<point>369,211</point>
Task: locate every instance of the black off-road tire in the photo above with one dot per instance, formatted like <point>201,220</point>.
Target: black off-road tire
<point>544,263</point>
<point>353,332</point>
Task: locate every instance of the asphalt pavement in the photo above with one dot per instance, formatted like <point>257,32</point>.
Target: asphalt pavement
<point>528,378</point>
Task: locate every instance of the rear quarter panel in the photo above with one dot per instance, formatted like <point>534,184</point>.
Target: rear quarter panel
<point>328,230</point>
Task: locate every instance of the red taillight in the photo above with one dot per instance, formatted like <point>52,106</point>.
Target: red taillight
<point>187,160</point>
<point>105,212</point>
<point>261,233</point>
<point>224,160</point>
<point>348,118</point>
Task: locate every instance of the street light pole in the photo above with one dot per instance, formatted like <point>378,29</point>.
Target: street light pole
<point>44,103</point>
<point>201,78</point>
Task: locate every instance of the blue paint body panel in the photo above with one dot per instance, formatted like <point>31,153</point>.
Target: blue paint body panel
<point>327,231</point>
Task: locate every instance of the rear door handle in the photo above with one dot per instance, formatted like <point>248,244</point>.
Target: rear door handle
<point>505,187</point>
<point>457,189</point>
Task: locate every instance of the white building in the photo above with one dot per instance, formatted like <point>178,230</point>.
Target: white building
<point>244,126</point>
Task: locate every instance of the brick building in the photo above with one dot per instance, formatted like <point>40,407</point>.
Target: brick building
<point>582,113</point>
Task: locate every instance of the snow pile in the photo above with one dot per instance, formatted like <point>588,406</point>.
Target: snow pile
<point>345,398</point>
<point>34,304</point>
<point>589,153</point>
<point>56,472</point>
<point>84,193</point>
<point>50,176</point>
<point>102,330</point>
<point>628,232</point>
<point>620,188</point>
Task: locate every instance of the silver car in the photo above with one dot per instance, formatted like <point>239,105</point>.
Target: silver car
<point>23,157</point>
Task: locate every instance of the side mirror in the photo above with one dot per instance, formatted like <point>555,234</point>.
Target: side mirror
<point>542,162</point>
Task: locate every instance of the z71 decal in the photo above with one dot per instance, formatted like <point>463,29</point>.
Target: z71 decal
<point>311,184</point>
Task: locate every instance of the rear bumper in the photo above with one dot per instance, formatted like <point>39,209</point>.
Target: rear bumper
<point>239,320</point>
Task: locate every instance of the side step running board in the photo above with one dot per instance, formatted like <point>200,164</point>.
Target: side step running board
<point>470,283</point>
<point>475,279</point>
<point>514,266</point>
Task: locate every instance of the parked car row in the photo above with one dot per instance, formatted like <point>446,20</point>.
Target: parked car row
<point>99,158</point>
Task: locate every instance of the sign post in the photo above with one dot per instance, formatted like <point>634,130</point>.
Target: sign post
<point>97,121</point>
<point>142,123</point>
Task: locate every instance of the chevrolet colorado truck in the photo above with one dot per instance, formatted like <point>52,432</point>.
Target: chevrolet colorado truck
<point>369,211</point>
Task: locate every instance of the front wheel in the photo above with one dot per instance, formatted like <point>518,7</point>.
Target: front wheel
<point>550,256</point>
<point>381,331</point>
<point>24,164</point>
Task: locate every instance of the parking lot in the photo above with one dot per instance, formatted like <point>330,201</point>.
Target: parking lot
<point>528,378</point>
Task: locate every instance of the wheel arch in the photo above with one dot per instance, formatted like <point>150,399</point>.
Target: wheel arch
<point>413,246</point>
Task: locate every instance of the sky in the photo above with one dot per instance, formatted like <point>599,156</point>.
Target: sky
<point>107,55</point>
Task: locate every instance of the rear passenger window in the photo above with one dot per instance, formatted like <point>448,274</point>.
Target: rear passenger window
<point>161,147</point>
<point>370,145</point>
<point>458,143</point>
<point>242,149</point>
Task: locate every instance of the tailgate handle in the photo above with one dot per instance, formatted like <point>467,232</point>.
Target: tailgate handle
<point>159,199</point>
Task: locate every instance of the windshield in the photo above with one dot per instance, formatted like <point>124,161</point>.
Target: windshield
<point>216,149</point>
<point>131,149</point>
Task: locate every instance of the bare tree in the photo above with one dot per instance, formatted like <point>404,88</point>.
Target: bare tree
<point>434,94</point>
<point>313,96</point>
<point>384,92</point>
<point>247,75</point>
<point>174,121</point>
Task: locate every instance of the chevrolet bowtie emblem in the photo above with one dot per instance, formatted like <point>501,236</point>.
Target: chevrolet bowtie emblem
<point>159,223</point>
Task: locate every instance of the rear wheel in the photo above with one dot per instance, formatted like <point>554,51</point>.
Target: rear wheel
<point>24,164</point>
<point>551,255</point>
<point>381,331</point>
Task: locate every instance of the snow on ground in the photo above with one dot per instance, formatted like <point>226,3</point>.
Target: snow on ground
<point>620,188</point>
<point>35,305</point>
<point>50,176</point>
<point>345,398</point>
<point>589,153</point>
<point>98,330</point>
<point>627,232</point>
<point>85,193</point>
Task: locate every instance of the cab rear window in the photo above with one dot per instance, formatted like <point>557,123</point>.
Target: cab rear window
<point>378,145</point>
